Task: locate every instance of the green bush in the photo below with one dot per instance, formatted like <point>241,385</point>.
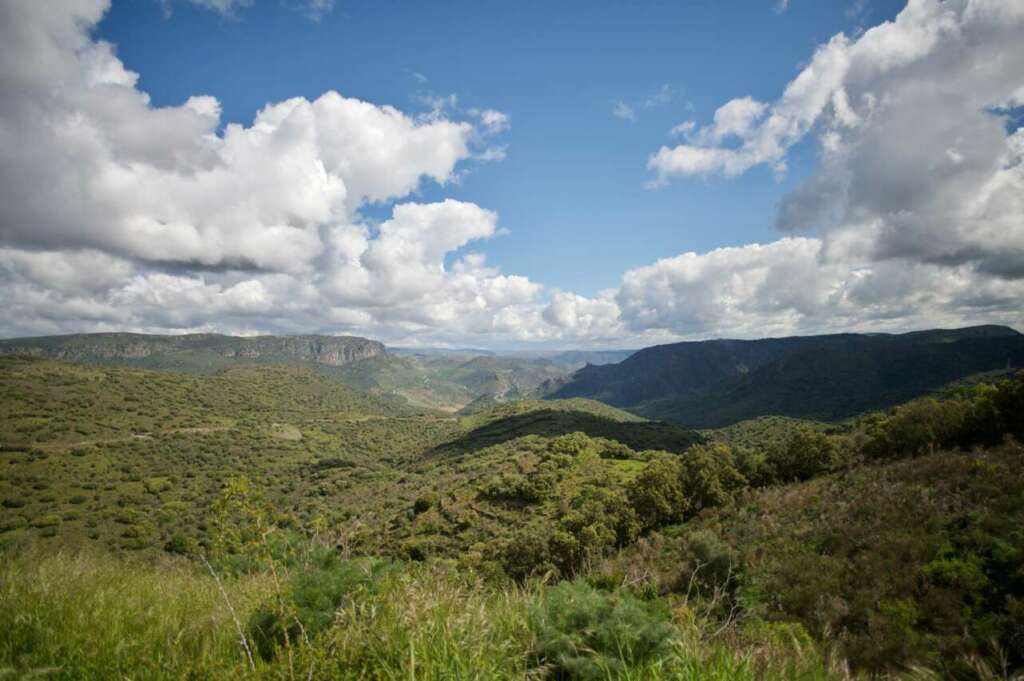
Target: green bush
<point>424,503</point>
<point>48,520</point>
<point>180,544</point>
<point>709,476</point>
<point>807,454</point>
<point>657,494</point>
<point>310,600</point>
<point>583,633</point>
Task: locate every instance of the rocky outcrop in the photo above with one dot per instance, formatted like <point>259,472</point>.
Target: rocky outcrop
<point>332,350</point>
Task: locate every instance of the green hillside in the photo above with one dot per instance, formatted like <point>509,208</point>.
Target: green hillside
<point>131,459</point>
<point>711,384</point>
<point>357,537</point>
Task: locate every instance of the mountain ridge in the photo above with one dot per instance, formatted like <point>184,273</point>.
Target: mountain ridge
<point>193,351</point>
<point>830,377</point>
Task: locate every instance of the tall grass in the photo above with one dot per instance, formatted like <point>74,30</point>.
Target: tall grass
<point>100,617</point>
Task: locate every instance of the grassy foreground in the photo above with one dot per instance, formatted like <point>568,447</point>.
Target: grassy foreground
<point>93,616</point>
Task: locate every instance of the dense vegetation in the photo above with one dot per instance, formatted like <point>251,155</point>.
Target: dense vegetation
<point>270,522</point>
<point>711,384</point>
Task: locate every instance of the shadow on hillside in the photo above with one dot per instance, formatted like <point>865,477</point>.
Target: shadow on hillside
<point>552,423</point>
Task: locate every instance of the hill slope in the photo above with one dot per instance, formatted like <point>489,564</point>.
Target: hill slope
<point>715,383</point>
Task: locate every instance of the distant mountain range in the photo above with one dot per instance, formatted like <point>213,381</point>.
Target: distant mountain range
<point>570,359</point>
<point>202,352</point>
<point>714,383</point>
<point>704,384</point>
<point>437,379</point>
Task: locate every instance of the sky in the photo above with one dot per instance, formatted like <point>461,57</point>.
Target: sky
<point>511,175</point>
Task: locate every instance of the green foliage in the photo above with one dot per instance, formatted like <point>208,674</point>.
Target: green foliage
<point>582,633</point>
<point>310,599</point>
<point>806,454</point>
<point>893,564</point>
<point>656,494</point>
<point>978,415</point>
<point>709,476</point>
<point>918,562</point>
<point>557,418</point>
<point>424,503</point>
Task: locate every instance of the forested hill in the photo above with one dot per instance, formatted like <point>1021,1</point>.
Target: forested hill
<point>193,352</point>
<point>717,382</point>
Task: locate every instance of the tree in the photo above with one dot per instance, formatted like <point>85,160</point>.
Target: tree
<point>657,494</point>
<point>709,476</point>
<point>807,453</point>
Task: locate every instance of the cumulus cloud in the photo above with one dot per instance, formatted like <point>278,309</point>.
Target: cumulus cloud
<point>119,215</point>
<point>917,200</point>
<point>116,213</point>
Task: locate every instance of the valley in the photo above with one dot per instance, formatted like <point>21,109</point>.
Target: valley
<point>780,531</point>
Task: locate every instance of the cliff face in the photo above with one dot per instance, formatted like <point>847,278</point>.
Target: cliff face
<point>193,350</point>
<point>332,350</point>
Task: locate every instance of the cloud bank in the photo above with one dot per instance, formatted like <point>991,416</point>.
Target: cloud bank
<point>119,215</point>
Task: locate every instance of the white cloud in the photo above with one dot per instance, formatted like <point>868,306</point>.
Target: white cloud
<point>224,7</point>
<point>624,111</point>
<point>118,215</point>
<point>917,199</point>
<point>660,98</point>
<point>315,10</point>
<point>493,154</point>
<point>684,128</point>
<point>628,112</point>
<point>492,121</point>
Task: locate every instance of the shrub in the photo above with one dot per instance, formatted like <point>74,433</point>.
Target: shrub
<point>657,494</point>
<point>311,598</point>
<point>424,503</point>
<point>807,454</point>
<point>157,485</point>
<point>583,633</point>
<point>180,544</point>
<point>526,552</point>
<point>709,476</point>
<point>600,520</point>
<point>12,522</point>
<point>712,564</point>
<point>48,520</point>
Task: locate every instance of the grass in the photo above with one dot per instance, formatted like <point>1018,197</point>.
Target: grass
<point>91,616</point>
<point>94,616</point>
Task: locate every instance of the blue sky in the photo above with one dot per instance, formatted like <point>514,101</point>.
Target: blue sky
<point>483,174</point>
<point>572,190</point>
